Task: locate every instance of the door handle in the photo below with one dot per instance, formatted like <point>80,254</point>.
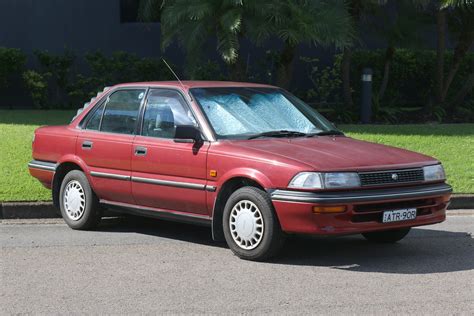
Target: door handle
<point>86,144</point>
<point>140,151</point>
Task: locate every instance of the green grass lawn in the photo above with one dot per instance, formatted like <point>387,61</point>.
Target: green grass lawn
<point>453,144</point>
<point>16,134</point>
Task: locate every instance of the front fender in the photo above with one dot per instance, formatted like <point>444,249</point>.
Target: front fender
<point>249,173</point>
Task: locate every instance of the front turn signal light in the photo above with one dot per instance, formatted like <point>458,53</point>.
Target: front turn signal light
<point>329,209</point>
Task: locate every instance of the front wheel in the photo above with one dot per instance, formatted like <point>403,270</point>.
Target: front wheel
<point>388,236</point>
<point>79,204</point>
<point>251,228</point>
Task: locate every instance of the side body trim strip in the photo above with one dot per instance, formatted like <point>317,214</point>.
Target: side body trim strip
<point>109,175</point>
<point>176,184</point>
<point>43,165</point>
<point>185,185</point>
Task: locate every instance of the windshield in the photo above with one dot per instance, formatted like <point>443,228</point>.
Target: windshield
<point>243,112</point>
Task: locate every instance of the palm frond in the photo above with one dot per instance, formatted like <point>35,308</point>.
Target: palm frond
<point>462,4</point>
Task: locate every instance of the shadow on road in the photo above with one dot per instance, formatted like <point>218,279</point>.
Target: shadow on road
<point>160,228</point>
<point>423,251</point>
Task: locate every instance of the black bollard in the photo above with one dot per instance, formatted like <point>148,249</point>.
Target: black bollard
<point>366,97</point>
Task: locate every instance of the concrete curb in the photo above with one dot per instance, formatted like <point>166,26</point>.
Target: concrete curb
<point>11,210</point>
<point>462,201</point>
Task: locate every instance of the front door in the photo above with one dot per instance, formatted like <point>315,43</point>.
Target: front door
<point>105,144</point>
<point>165,174</point>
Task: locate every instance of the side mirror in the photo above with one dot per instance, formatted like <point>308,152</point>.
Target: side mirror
<point>187,134</point>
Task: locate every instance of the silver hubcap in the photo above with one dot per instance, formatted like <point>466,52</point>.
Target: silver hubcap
<point>246,224</point>
<point>74,200</point>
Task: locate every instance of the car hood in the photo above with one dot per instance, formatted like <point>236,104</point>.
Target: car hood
<point>340,153</point>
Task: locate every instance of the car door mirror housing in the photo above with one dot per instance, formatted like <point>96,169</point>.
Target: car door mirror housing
<point>187,134</point>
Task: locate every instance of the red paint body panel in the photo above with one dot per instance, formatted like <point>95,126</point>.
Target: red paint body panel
<point>170,161</point>
<point>110,153</point>
<point>270,162</point>
<point>53,142</point>
<point>43,176</point>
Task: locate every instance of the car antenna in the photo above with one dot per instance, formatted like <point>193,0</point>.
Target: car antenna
<point>174,74</point>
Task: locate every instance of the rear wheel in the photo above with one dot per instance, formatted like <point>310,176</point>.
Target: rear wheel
<point>387,236</point>
<point>79,204</point>
<point>251,228</point>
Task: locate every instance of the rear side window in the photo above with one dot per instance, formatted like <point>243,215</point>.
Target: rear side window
<point>121,111</point>
<point>94,121</point>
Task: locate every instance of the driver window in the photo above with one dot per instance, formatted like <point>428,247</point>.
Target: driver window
<point>165,109</point>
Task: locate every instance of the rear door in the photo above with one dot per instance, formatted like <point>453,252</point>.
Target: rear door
<point>105,143</point>
<point>166,174</point>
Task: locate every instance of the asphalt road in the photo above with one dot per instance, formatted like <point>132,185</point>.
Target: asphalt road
<point>136,266</point>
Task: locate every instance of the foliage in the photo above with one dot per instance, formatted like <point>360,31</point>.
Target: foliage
<point>464,4</point>
<point>192,22</point>
<point>208,70</point>
<point>118,68</point>
<point>412,73</point>
<point>57,66</point>
<point>56,71</point>
<point>12,61</point>
<point>465,112</point>
<point>295,22</point>
<point>318,23</point>
<point>37,85</point>
<point>326,82</point>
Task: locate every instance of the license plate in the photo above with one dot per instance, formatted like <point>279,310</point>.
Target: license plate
<point>399,215</point>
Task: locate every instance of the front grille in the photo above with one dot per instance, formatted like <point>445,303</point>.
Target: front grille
<point>391,177</point>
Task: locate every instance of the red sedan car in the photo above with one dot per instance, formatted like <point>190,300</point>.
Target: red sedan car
<point>251,161</point>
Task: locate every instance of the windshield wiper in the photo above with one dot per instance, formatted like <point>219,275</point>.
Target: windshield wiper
<point>331,132</point>
<point>281,133</point>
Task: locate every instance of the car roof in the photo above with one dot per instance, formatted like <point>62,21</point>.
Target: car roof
<point>194,84</point>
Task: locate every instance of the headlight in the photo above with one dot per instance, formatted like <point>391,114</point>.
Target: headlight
<point>331,180</point>
<point>307,180</point>
<point>434,173</point>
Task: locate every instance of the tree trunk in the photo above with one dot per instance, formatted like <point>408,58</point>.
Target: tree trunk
<point>386,71</point>
<point>466,39</point>
<point>355,7</point>
<point>237,70</point>
<point>346,77</point>
<point>285,67</point>
<point>462,93</point>
<point>441,47</point>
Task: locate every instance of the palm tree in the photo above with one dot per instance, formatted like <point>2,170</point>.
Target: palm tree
<point>299,21</point>
<point>400,29</point>
<point>458,17</point>
<point>192,23</point>
<point>356,9</point>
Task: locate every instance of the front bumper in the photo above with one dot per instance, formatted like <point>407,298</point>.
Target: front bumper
<point>364,209</point>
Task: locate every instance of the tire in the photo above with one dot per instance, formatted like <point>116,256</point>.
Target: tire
<point>387,236</point>
<point>78,203</point>
<point>251,228</point>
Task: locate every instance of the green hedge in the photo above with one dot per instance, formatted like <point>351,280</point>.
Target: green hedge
<point>412,74</point>
<point>57,83</point>
<point>12,62</point>
<point>409,97</point>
